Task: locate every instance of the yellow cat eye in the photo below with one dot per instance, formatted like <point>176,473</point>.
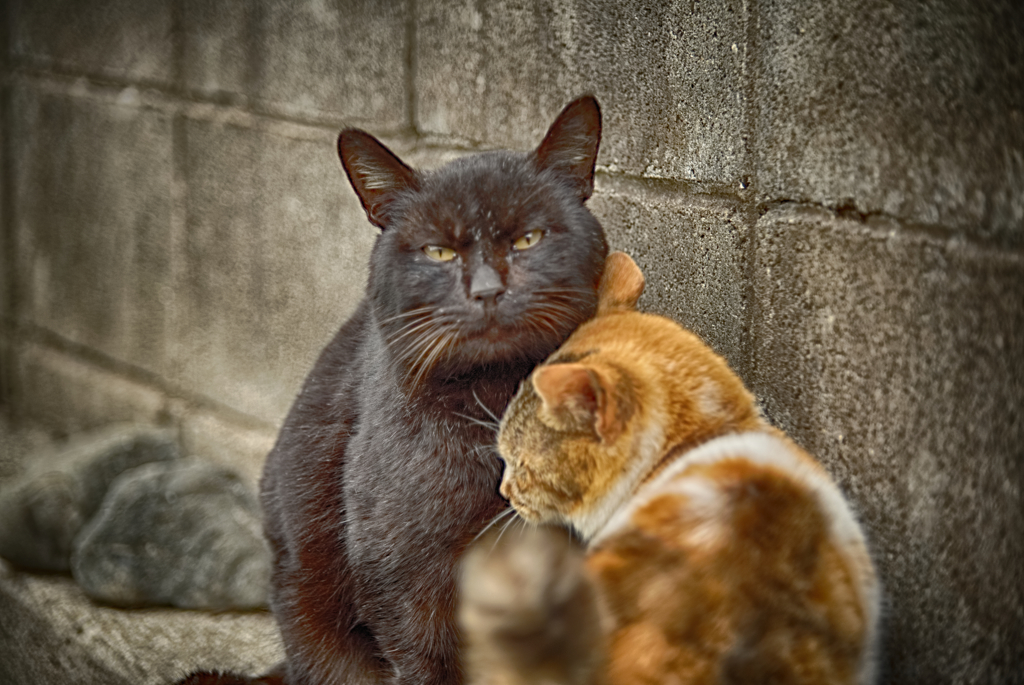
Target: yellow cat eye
<point>439,254</point>
<point>529,240</point>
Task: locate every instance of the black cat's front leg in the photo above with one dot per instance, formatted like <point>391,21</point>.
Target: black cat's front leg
<point>528,611</point>
<point>416,629</point>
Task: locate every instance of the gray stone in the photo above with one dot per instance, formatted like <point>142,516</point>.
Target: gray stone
<point>896,357</point>
<point>70,395</point>
<point>692,250</point>
<point>668,76</point>
<point>217,46</point>
<point>185,533</point>
<point>317,60</point>
<point>277,248</point>
<point>914,110</point>
<point>93,192</point>
<point>43,509</point>
<point>238,446</point>
<point>51,633</point>
<point>121,39</point>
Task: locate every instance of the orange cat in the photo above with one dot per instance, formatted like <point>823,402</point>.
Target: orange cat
<point>717,550</point>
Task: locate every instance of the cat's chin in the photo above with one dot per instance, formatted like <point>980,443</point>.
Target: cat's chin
<point>497,346</point>
<point>530,515</point>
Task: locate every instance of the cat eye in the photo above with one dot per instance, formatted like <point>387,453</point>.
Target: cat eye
<point>529,240</point>
<point>439,254</point>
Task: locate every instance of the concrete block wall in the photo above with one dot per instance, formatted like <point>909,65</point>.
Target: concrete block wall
<point>831,193</point>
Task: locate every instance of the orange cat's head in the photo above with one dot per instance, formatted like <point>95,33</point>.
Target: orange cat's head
<point>625,392</point>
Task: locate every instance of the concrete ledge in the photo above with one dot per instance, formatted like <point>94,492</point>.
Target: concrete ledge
<point>51,633</point>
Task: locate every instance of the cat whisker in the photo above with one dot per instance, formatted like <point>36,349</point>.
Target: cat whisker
<point>485,407</point>
<point>431,353</point>
<point>433,318</point>
<point>565,310</point>
<point>540,318</point>
<point>426,334</point>
<point>507,512</point>
<point>564,297</point>
<point>479,422</point>
<point>410,329</point>
<point>515,520</point>
<point>419,311</point>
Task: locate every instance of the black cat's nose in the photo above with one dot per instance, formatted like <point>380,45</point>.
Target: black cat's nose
<point>486,284</point>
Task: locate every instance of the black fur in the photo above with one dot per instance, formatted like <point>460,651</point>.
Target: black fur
<point>383,472</point>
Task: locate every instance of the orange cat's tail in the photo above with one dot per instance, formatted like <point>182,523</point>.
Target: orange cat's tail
<point>621,285</point>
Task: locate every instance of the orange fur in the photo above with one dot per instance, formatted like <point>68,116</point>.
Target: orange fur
<point>718,549</point>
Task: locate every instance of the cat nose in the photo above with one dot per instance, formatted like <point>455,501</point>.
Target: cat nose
<point>486,284</point>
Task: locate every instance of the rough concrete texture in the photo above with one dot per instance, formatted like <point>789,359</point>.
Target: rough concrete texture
<point>914,110</point>
<point>182,533</point>
<point>333,59</point>
<point>669,85</point>
<point>308,60</point>
<point>239,446</point>
<point>94,266</point>
<point>69,394</point>
<point>119,39</point>
<point>216,57</point>
<point>896,358</point>
<point>269,274</point>
<point>44,510</point>
<point>700,241</point>
<point>52,633</point>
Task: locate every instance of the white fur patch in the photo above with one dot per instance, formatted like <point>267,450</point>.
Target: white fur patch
<point>709,400</point>
<point>646,450</point>
<point>706,500</point>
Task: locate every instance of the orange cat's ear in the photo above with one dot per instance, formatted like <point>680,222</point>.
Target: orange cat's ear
<point>575,396</point>
<point>621,284</point>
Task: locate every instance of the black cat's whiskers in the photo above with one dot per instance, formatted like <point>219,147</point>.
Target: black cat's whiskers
<point>432,352</point>
<point>421,342</point>
<point>423,320</point>
<point>556,309</point>
<point>485,447</point>
<point>404,315</point>
<point>425,335</point>
<point>541,318</point>
<point>567,296</point>
<point>479,422</point>
<point>486,409</point>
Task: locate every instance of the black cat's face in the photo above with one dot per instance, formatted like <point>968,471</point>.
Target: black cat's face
<point>487,261</point>
<point>490,259</point>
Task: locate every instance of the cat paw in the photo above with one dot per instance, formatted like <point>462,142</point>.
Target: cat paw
<point>527,607</point>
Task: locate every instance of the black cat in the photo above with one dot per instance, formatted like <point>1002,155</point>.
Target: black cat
<point>383,472</point>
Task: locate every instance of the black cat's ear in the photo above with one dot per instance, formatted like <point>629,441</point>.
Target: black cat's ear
<point>570,146</point>
<point>375,173</point>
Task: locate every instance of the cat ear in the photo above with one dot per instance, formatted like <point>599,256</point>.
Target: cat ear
<point>570,146</point>
<point>375,173</point>
<point>575,396</point>
<point>622,283</point>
